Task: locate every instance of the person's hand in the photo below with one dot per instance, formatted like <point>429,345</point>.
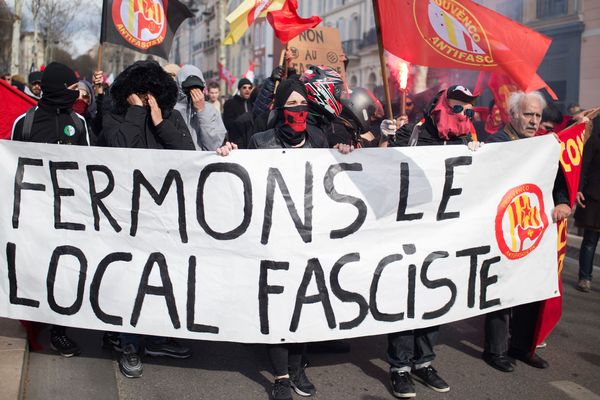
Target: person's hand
<point>155,111</point>
<point>134,100</point>
<point>388,127</point>
<point>344,148</point>
<point>98,81</point>
<point>561,212</point>
<point>226,149</point>
<point>474,145</point>
<point>580,199</point>
<point>401,121</point>
<point>197,99</point>
<point>277,73</point>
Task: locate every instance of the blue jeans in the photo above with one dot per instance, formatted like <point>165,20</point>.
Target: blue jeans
<point>586,253</point>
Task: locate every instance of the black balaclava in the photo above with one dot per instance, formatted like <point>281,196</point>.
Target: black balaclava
<point>55,80</point>
<point>291,126</point>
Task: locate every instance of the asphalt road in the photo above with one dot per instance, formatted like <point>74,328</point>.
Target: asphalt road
<point>234,371</point>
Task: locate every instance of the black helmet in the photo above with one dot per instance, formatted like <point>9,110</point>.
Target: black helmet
<point>324,89</point>
<point>364,105</point>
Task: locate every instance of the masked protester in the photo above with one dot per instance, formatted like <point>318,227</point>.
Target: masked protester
<point>53,121</point>
<point>86,106</point>
<point>202,118</point>
<point>143,117</point>
<point>447,121</point>
<point>290,131</point>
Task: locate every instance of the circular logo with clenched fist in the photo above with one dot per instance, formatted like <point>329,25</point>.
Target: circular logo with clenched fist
<point>142,23</point>
<point>520,221</point>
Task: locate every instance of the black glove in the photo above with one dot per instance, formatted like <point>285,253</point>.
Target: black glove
<point>277,73</point>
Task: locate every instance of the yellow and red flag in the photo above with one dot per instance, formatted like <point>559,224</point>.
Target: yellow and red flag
<point>245,14</point>
<point>462,34</point>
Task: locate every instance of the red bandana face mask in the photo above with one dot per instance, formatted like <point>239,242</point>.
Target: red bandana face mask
<point>447,122</point>
<point>295,117</point>
<point>80,106</point>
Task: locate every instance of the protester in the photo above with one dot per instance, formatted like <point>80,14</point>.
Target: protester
<point>587,214</point>
<point>214,95</point>
<point>53,121</point>
<point>238,104</point>
<point>144,96</point>
<point>525,117</point>
<point>85,105</point>
<point>325,89</point>
<point>367,111</point>
<point>447,121</point>
<point>6,77</point>
<point>19,82</point>
<point>290,131</point>
<point>202,119</point>
<point>247,124</point>
<point>34,88</point>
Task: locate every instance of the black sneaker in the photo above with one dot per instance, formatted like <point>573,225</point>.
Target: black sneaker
<point>429,377</point>
<point>111,341</point>
<point>281,389</point>
<point>130,362</point>
<point>403,386</point>
<point>63,345</point>
<point>170,348</point>
<point>300,383</point>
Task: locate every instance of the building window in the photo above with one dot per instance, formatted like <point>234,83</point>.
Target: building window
<point>552,8</point>
<point>512,9</point>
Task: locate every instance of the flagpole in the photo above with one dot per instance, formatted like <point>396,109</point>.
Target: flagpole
<point>386,85</point>
<point>100,50</point>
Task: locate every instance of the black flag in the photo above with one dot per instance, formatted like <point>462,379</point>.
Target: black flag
<point>147,26</point>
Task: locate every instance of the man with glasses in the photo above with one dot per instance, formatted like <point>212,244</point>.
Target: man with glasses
<point>447,121</point>
<point>525,117</point>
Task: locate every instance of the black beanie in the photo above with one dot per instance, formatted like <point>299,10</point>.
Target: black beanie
<point>35,76</point>
<point>244,81</point>
<point>285,89</point>
<point>57,77</point>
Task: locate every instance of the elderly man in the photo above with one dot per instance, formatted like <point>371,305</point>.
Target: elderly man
<point>525,117</point>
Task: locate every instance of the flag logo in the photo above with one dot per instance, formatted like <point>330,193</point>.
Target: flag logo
<point>520,221</point>
<point>142,23</point>
<point>454,32</point>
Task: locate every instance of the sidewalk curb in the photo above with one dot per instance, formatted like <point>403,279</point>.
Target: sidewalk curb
<point>14,355</point>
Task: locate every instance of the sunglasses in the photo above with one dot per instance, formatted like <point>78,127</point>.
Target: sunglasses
<point>457,109</point>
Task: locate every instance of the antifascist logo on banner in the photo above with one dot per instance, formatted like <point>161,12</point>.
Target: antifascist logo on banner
<point>454,32</point>
<point>142,23</point>
<point>520,221</point>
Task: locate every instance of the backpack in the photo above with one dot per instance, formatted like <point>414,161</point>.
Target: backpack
<point>28,123</point>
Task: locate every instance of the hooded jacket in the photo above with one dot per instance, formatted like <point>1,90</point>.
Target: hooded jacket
<point>206,126</point>
<point>53,118</point>
<point>131,126</point>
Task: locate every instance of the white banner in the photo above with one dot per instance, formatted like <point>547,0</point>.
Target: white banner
<point>274,245</point>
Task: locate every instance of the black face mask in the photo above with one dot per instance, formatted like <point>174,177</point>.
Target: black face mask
<point>62,99</point>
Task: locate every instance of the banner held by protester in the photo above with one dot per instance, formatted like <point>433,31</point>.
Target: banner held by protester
<point>253,248</point>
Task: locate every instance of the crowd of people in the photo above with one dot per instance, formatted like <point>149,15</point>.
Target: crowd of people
<point>172,107</point>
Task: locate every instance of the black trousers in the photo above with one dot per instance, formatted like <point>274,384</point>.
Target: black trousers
<point>412,349</point>
<point>286,357</point>
<point>511,328</point>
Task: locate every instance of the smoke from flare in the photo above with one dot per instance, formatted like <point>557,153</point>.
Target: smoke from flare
<point>403,69</point>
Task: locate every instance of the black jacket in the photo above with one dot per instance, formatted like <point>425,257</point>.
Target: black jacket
<point>233,108</point>
<point>268,140</point>
<point>135,129</point>
<point>52,126</point>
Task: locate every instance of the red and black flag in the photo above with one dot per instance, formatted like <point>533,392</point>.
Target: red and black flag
<point>147,26</point>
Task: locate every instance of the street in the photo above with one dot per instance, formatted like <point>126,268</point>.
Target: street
<point>234,371</point>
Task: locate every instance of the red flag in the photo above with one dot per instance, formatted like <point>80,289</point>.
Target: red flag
<point>13,103</point>
<point>572,140</point>
<point>287,24</point>
<point>461,34</point>
<point>502,87</point>
<point>227,76</point>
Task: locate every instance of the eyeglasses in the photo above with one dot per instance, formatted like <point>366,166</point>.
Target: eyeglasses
<point>457,109</point>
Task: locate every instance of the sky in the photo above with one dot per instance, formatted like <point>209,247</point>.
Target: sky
<point>87,25</point>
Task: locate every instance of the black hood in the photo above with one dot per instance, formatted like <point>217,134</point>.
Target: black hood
<point>55,80</point>
<point>142,77</point>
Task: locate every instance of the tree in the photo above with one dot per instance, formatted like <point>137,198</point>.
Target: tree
<point>6,21</point>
